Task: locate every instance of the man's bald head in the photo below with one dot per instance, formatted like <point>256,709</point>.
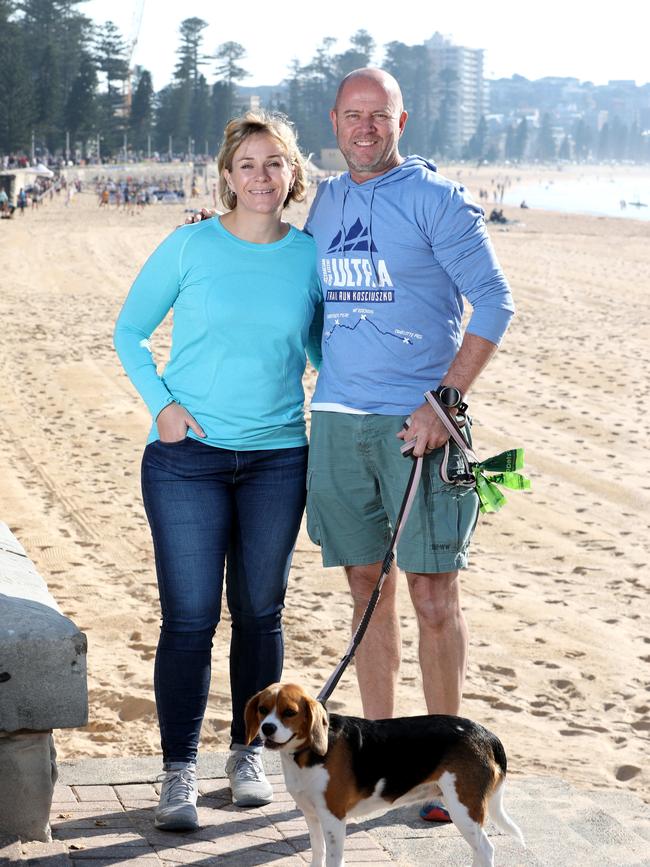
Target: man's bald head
<point>368,119</point>
<point>376,77</point>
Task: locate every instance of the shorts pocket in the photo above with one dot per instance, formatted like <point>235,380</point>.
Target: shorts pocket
<point>454,513</point>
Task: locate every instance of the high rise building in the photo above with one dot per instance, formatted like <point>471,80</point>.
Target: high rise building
<point>459,90</point>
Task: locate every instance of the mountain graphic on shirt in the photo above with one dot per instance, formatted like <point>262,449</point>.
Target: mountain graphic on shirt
<point>356,238</point>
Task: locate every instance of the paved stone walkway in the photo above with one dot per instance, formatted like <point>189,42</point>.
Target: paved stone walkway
<point>103,815</point>
<point>96,825</point>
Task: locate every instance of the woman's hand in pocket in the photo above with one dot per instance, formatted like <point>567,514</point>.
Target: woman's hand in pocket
<point>173,423</point>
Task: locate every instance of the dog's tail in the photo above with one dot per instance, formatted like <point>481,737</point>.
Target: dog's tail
<point>498,814</point>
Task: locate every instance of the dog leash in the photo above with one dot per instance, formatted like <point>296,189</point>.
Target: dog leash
<point>405,508</point>
<point>490,500</point>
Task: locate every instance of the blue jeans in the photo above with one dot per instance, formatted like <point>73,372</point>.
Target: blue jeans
<point>207,506</point>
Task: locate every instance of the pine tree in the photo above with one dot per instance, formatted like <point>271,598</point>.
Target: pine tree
<point>582,137</point>
<point>295,107</point>
<point>521,139</point>
<point>477,145</point>
<point>16,107</point>
<point>54,33</point>
<point>358,56</point>
<point>81,107</point>
<point>200,113</point>
<point>49,96</point>
<point>619,136</point>
<point>511,143</point>
<point>409,64</point>
<point>546,148</point>
<point>141,114</point>
<point>229,72</point>
<point>443,133</point>
<point>164,120</point>
<point>190,57</point>
<point>320,80</point>
<point>191,99</point>
<point>110,57</point>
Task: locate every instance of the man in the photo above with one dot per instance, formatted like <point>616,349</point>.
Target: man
<point>397,247</point>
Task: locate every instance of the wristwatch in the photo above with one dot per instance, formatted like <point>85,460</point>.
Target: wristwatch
<point>450,396</point>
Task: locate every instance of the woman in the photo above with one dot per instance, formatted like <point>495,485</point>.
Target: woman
<point>223,473</point>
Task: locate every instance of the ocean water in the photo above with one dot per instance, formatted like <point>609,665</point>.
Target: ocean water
<point>600,196</point>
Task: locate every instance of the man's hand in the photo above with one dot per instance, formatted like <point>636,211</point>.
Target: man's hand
<point>173,422</point>
<point>426,429</point>
<point>203,214</point>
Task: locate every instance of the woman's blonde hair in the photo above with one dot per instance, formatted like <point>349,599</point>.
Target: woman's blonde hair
<point>261,123</point>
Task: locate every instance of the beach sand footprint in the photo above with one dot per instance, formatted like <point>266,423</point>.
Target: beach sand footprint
<point>626,772</point>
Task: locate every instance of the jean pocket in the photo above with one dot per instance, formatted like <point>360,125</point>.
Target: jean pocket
<point>172,443</point>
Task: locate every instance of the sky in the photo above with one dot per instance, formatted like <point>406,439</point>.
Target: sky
<point>592,41</point>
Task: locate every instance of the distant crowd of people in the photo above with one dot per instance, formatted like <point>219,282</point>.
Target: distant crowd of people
<point>132,196</point>
<point>32,197</point>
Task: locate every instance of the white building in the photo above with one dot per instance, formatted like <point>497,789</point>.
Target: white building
<point>459,88</point>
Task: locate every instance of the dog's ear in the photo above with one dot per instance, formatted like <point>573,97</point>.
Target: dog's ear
<point>318,726</point>
<point>251,719</point>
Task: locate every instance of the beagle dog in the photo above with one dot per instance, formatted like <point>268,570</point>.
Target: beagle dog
<point>340,767</point>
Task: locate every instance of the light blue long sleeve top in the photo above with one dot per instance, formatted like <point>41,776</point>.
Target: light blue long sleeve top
<point>396,255</point>
<point>244,315</point>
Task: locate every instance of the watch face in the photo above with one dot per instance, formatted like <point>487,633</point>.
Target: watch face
<point>450,395</point>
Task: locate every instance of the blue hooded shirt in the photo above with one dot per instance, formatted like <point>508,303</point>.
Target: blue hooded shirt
<point>396,255</point>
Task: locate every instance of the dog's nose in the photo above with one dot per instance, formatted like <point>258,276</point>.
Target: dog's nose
<point>269,729</point>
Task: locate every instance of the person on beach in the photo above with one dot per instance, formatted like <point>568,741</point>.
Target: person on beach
<point>224,469</point>
<point>398,246</point>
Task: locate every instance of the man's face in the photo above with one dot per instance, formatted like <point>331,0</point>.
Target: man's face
<point>368,120</point>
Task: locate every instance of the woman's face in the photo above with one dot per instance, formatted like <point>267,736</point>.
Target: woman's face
<point>260,176</point>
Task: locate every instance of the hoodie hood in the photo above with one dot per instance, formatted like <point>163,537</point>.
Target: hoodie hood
<point>411,165</point>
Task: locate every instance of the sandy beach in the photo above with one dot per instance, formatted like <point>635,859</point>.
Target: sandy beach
<point>557,592</point>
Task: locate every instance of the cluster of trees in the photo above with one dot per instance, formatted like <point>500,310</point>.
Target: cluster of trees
<point>52,60</point>
<point>64,79</point>
<point>613,141</point>
<point>429,93</point>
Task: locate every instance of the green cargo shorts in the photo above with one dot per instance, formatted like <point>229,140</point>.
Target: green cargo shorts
<point>355,485</point>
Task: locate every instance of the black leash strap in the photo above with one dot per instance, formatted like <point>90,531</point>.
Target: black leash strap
<point>405,508</point>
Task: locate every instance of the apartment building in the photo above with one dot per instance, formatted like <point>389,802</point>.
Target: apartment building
<point>459,89</point>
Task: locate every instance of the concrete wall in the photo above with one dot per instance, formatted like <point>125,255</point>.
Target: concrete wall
<point>42,687</point>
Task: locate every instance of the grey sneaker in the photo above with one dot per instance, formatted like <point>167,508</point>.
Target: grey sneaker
<point>248,783</point>
<point>177,808</point>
